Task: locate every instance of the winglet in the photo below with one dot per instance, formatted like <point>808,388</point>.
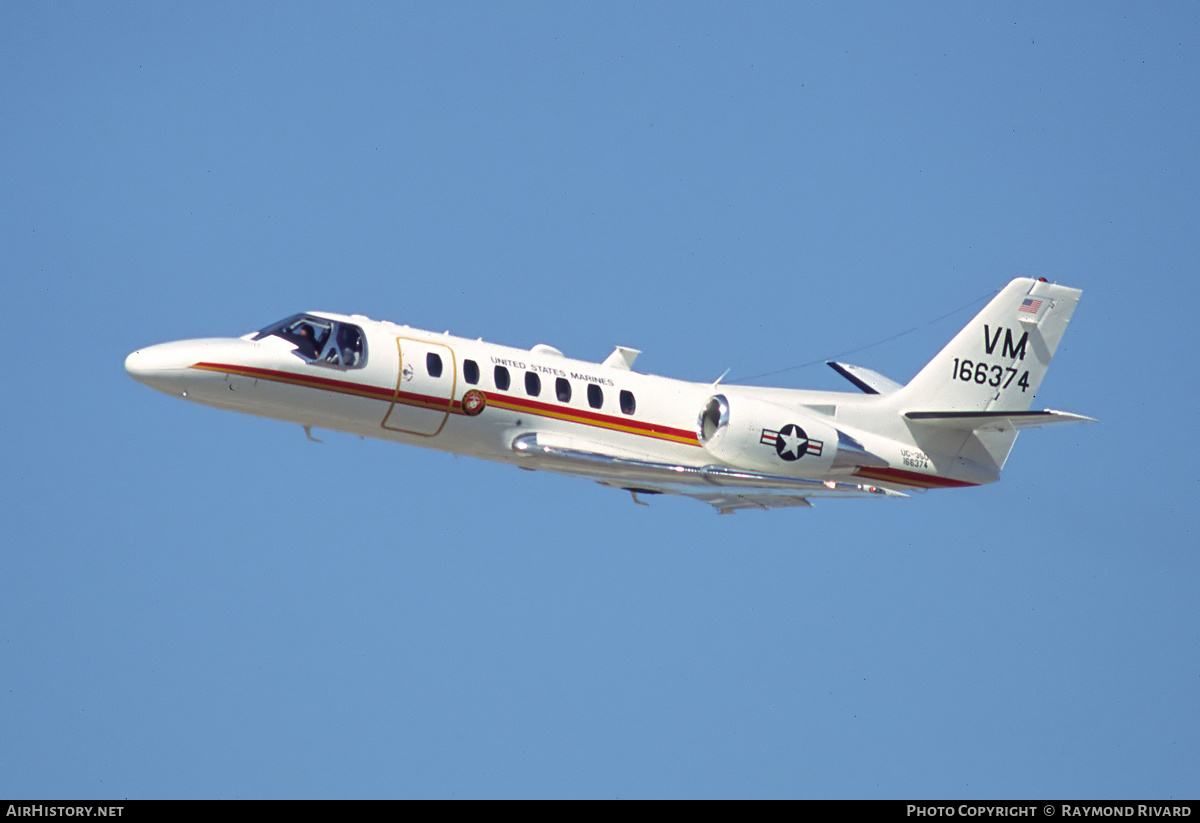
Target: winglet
<point>622,358</point>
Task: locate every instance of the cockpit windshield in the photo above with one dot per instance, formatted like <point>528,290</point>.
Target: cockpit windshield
<point>320,340</point>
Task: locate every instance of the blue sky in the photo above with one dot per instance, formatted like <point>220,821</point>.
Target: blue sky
<point>195,603</point>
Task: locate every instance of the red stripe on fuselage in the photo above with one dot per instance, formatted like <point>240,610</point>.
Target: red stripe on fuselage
<point>389,395</point>
<point>309,381</point>
<point>906,478</point>
<point>593,418</point>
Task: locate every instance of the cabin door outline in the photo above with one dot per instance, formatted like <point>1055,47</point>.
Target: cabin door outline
<point>420,403</point>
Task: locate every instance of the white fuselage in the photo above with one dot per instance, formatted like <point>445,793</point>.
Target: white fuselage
<point>733,447</point>
<point>477,398</point>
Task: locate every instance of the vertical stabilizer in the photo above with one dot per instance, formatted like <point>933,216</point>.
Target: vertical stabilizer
<point>996,363</point>
<point>999,359</point>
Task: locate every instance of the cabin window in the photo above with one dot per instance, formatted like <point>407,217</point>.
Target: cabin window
<point>471,371</point>
<point>433,364</point>
<point>500,378</point>
<point>595,396</point>
<point>321,341</point>
<point>562,390</point>
<point>533,384</point>
<point>628,404</point>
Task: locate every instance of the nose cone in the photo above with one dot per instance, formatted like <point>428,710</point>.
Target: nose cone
<point>162,367</point>
<point>138,365</point>
<point>185,368</point>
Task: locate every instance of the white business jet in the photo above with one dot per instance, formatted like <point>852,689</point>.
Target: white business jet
<point>733,447</point>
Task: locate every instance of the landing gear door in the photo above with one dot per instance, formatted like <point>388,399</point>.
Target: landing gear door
<point>425,386</point>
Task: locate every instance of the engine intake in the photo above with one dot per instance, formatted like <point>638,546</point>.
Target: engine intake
<point>713,417</point>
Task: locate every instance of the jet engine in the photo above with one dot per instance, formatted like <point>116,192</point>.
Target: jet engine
<point>759,435</point>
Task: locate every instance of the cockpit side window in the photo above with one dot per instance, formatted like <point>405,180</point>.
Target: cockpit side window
<point>323,341</point>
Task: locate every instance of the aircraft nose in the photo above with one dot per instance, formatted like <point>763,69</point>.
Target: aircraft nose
<point>135,365</point>
<point>159,367</point>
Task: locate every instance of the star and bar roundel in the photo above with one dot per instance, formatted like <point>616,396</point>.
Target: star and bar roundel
<point>791,442</point>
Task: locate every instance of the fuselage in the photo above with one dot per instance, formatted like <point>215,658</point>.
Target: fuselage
<point>734,447</point>
<point>382,380</point>
<point>410,385</point>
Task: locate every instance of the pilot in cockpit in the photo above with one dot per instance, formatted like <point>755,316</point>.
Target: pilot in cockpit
<point>306,342</point>
<point>350,342</point>
<point>318,340</point>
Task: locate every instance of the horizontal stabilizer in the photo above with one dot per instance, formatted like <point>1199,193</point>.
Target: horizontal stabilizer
<point>870,382</point>
<point>1001,420</point>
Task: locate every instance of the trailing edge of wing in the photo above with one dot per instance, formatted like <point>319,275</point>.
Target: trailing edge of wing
<point>972,420</point>
<point>724,488</point>
<point>728,502</point>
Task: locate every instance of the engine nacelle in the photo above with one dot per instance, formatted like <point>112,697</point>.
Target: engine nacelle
<point>755,434</point>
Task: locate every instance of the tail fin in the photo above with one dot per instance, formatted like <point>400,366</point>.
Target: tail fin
<point>992,367</point>
<point>999,359</point>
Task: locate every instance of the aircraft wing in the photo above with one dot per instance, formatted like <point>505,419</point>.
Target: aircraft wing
<point>867,380</point>
<point>726,489</point>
